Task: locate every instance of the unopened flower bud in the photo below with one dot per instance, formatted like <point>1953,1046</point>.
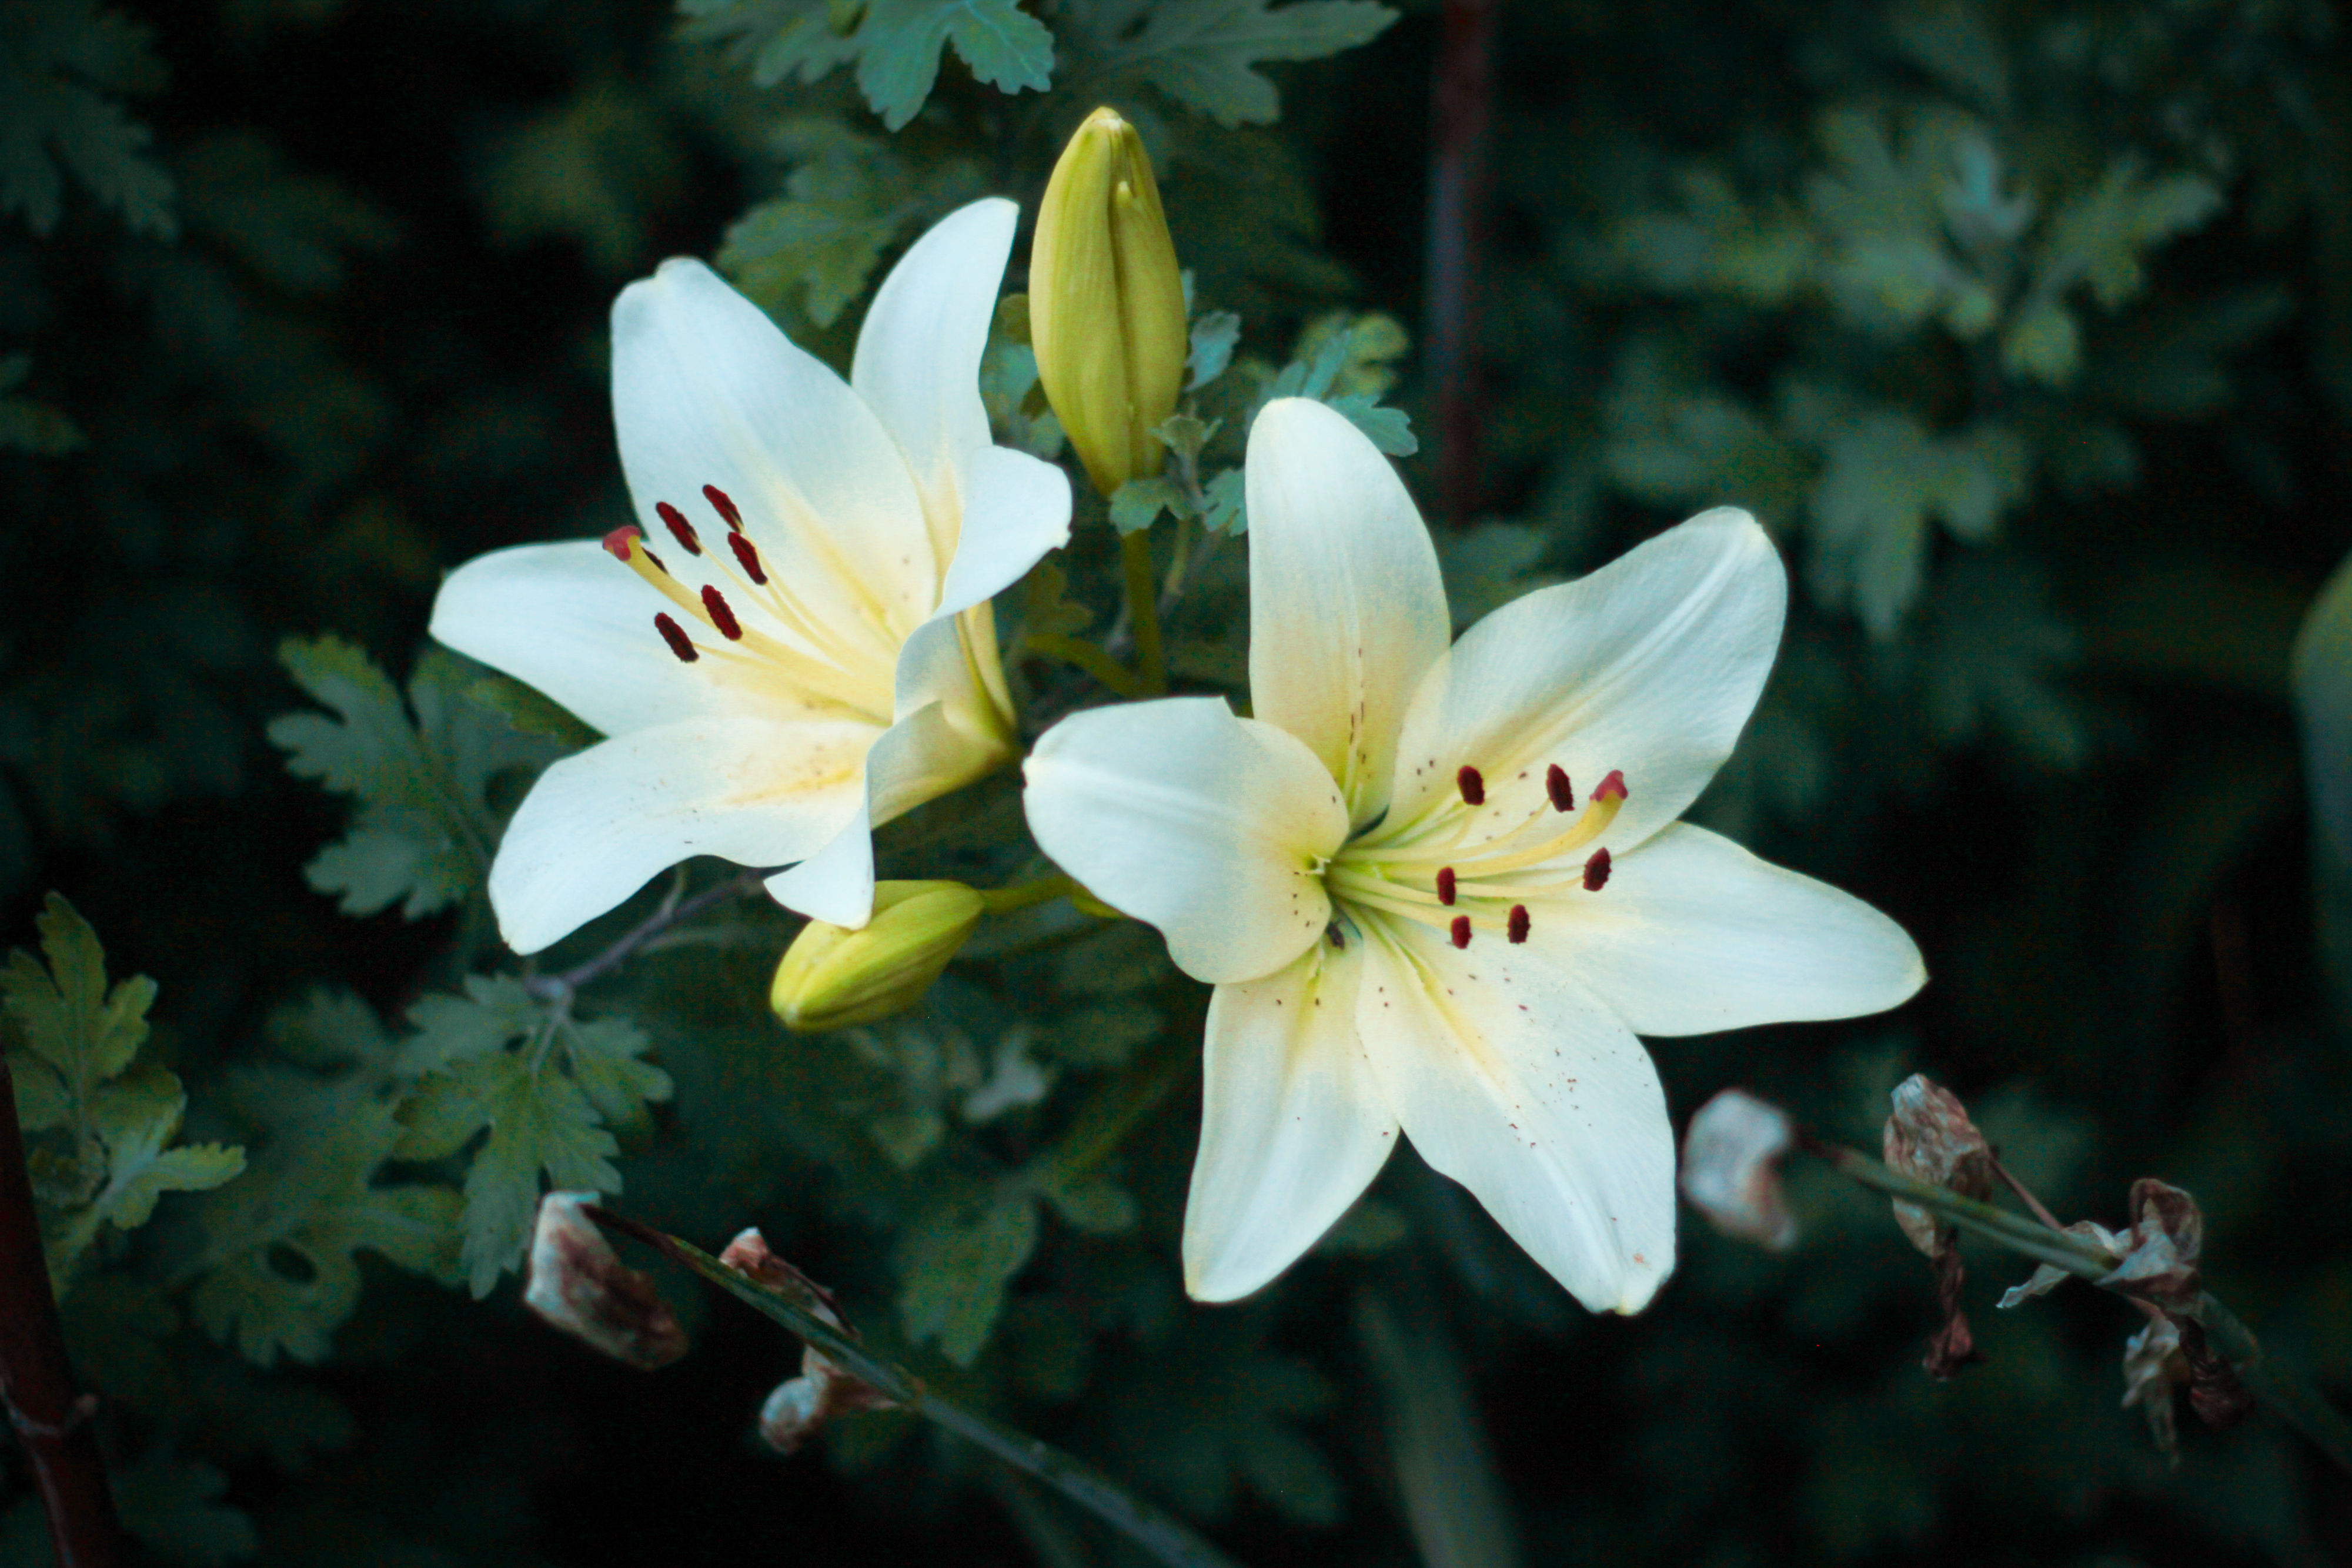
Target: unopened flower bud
<point>580,1285</point>
<point>833,978</point>
<point>1731,1168</point>
<point>1107,302</point>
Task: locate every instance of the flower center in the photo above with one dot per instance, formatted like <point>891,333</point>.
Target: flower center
<point>1475,866</point>
<point>782,642</point>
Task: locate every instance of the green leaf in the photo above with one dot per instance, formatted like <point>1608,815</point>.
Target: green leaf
<point>594,169</point>
<point>278,1270</point>
<point>1204,54</point>
<point>1228,510</point>
<point>1185,435</point>
<point>1094,1204</point>
<point>424,827</point>
<point>848,198</point>
<point>63,60</point>
<point>544,1086</point>
<point>80,1035</point>
<point>786,37</point>
<point>954,1263</point>
<point>1138,503</point>
<point>84,1032</point>
<point>2102,234</point>
<point>1886,477</point>
<point>901,40</point>
<point>1214,334</point>
<point>1047,610</point>
<point>1389,430</point>
<point>136,1117</point>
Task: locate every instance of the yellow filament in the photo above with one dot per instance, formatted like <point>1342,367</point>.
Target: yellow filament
<point>755,649</point>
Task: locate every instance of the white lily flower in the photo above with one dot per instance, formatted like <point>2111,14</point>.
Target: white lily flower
<point>1442,889</point>
<point>807,649</point>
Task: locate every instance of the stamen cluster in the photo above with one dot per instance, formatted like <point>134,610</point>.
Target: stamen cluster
<point>807,656</point>
<point>1480,875</point>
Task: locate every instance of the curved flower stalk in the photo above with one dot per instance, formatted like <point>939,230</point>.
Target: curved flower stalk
<point>795,644</point>
<point>1441,889</point>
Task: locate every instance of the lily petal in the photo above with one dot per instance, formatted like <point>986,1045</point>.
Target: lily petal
<point>917,363</point>
<point>1347,608</point>
<point>597,825</point>
<point>706,391</point>
<point>577,624</point>
<point>1210,827</point>
<point>1694,934</point>
<point>919,758</point>
<point>1293,1123</point>
<point>1016,508</point>
<point>1651,666</point>
<point>1519,1084</point>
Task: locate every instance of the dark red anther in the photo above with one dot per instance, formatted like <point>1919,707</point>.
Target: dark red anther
<point>723,506</point>
<point>747,558</point>
<point>653,559</point>
<point>675,635</point>
<point>1563,799</point>
<point>1445,884</point>
<point>1462,931</point>
<point>720,615</point>
<point>1517,929</point>
<point>679,528</point>
<point>1596,870</point>
<point>1611,788</point>
<point>618,543</point>
<point>1473,788</point>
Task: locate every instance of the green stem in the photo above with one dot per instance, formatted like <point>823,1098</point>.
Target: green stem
<point>2083,1259</point>
<point>1143,613</point>
<point>2296,1401</point>
<point>1158,1532</point>
<point>1083,655</point>
<point>1025,895</point>
<point>2288,1397</point>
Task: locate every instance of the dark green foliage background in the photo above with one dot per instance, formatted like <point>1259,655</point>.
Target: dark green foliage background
<point>2026,328</point>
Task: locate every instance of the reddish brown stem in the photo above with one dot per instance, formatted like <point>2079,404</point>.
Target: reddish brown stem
<point>36,1383</point>
<point>1462,106</point>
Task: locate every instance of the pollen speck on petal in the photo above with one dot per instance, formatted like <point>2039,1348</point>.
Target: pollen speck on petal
<point>1563,799</point>
<point>1472,785</point>
<point>715,604</point>
<point>1461,931</point>
<point>675,635</point>
<point>1596,870</point>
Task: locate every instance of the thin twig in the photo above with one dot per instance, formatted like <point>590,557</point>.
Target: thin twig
<point>37,1383</point>
<point>560,987</point>
<point>1157,1531</point>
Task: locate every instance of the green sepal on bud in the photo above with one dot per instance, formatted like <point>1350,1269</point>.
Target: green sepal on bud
<point>1107,302</point>
<point>833,978</point>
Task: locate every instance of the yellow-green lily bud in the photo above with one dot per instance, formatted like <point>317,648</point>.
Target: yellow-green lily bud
<point>832,977</point>
<point>1107,302</point>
